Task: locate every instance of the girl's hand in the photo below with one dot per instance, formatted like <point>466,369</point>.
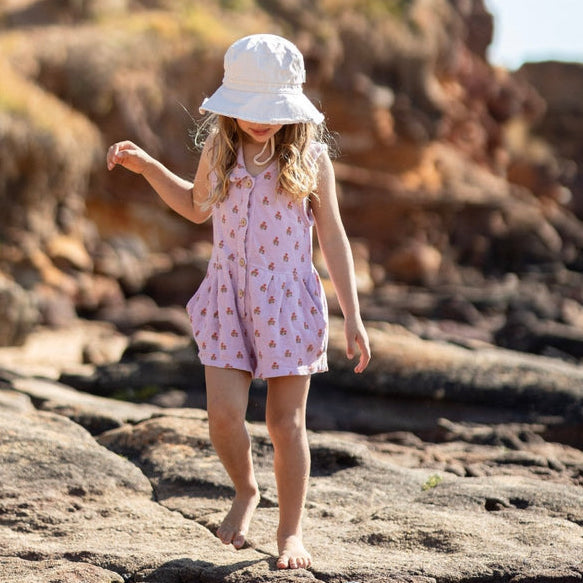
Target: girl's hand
<point>357,338</point>
<point>128,155</point>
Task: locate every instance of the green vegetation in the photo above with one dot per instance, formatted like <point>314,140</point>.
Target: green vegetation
<point>432,482</point>
<point>370,8</point>
<point>21,98</point>
<point>137,394</point>
<point>237,5</point>
<point>208,23</point>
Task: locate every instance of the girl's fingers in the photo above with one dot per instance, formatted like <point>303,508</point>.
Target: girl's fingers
<point>115,154</point>
<point>362,364</point>
<point>351,348</point>
<point>112,156</point>
<point>364,355</point>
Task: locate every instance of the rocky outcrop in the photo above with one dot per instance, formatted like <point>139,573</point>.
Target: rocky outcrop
<point>441,179</point>
<point>559,84</point>
<point>409,386</point>
<point>139,495</point>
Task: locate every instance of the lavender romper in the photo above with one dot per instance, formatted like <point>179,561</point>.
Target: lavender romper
<point>261,306</point>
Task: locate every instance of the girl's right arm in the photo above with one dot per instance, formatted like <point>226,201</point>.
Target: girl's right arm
<point>182,196</point>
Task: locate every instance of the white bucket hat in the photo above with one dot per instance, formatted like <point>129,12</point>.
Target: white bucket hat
<point>263,81</point>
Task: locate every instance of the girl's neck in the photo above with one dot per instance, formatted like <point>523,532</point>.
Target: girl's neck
<point>266,153</point>
<point>258,155</point>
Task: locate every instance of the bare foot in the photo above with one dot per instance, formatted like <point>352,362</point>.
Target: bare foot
<point>292,553</point>
<point>236,523</point>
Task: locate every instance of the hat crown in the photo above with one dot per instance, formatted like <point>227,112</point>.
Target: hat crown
<point>262,83</point>
<point>264,63</point>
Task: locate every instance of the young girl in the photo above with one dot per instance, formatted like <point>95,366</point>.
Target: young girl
<point>265,178</point>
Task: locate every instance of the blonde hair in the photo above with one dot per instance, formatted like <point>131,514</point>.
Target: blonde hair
<point>297,171</point>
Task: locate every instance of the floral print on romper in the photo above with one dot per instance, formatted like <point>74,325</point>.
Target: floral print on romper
<point>261,306</point>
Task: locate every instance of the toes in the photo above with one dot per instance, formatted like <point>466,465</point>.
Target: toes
<point>290,562</point>
<point>283,562</point>
<point>293,555</point>
<point>225,538</point>
<point>304,563</point>
<point>230,536</point>
<point>239,540</point>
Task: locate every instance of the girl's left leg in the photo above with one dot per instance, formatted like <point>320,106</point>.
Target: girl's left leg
<point>286,422</point>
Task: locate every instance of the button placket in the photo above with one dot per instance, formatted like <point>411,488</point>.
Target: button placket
<point>247,184</point>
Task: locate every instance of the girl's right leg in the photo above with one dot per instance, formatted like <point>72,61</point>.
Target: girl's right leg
<point>227,398</point>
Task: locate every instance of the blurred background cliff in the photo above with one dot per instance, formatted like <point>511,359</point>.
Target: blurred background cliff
<point>459,181</point>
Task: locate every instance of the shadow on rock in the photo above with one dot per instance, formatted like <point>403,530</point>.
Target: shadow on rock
<point>189,570</point>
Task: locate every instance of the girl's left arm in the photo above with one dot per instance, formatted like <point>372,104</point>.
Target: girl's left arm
<point>335,247</point>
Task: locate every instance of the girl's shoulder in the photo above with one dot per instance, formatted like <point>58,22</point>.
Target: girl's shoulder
<point>315,150</point>
<point>324,142</point>
<point>317,147</point>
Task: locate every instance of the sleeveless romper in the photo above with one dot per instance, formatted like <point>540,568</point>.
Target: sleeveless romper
<point>261,306</point>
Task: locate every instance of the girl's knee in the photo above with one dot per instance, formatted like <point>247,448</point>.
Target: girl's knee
<point>287,427</point>
<point>223,419</point>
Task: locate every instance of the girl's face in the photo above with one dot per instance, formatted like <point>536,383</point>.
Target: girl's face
<point>258,133</point>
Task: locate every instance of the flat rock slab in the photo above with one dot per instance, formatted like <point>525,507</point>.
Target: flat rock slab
<point>140,502</point>
<point>71,510</point>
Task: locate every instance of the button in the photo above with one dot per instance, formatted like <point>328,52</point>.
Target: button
<point>242,262</point>
<point>243,222</point>
<point>241,293</point>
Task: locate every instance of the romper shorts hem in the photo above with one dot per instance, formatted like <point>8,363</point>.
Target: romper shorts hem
<point>267,372</point>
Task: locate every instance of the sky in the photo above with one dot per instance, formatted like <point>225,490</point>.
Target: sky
<point>536,30</point>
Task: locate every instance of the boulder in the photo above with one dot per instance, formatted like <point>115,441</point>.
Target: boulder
<point>19,313</point>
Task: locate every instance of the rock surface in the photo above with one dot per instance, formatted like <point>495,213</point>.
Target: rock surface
<point>94,489</point>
